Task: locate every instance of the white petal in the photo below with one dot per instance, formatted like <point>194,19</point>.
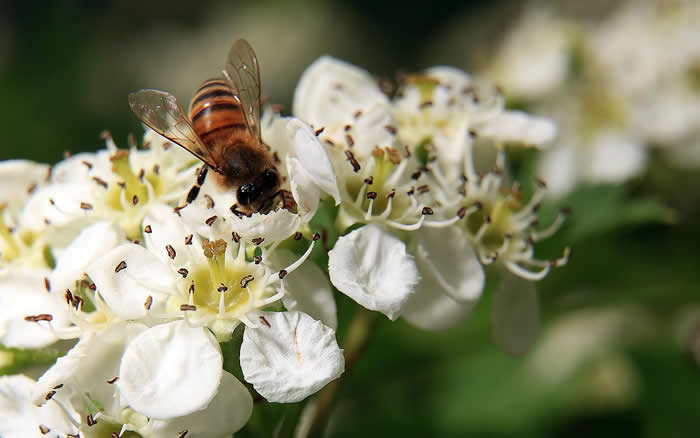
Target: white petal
<point>313,157</point>
<point>23,293</point>
<point>227,413</point>
<point>292,359</point>
<point>616,158</point>
<point>274,226</point>
<point>451,260</point>
<point>306,193</point>
<point>170,370</point>
<point>519,127</point>
<point>167,228</point>
<point>516,314</point>
<point>20,418</point>
<point>17,177</point>
<point>88,366</point>
<point>126,291</point>
<point>91,243</point>
<point>369,131</point>
<point>64,209</point>
<point>431,310</point>
<point>372,267</point>
<point>331,91</point>
<point>308,290</point>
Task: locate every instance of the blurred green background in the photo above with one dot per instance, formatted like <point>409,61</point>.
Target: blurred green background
<point>620,324</point>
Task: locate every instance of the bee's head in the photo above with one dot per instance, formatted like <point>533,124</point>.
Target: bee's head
<point>257,195</point>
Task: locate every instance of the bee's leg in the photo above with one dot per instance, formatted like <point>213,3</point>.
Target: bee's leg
<point>201,177</point>
<point>286,199</point>
<point>234,209</point>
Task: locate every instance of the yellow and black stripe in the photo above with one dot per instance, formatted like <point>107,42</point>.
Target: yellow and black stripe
<point>216,112</point>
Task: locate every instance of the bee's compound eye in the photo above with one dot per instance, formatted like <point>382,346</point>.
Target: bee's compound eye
<point>270,179</point>
<point>246,194</point>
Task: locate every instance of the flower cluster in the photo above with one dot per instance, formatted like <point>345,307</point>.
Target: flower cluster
<point>406,168</point>
<point>614,87</point>
<point>104,249</point>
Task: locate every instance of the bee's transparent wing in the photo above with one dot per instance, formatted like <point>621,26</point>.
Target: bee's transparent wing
<point>244,73</point>
<point>160,111</point>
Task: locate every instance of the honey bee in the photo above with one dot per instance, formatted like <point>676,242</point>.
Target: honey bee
<point>223,130</point>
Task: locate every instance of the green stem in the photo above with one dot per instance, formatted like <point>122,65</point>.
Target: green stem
<point>355,343</point>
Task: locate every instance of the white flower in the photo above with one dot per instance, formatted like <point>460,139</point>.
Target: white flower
<point>399,166</point>
<point>20,246</point>
<point>19,179</point>
<point>208,284</point>
<point>90,386</point>
<point>113,184</point>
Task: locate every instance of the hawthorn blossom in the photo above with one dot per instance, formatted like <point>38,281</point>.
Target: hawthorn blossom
<point>88,387</point>
<point>405,167</point>
<point>19,245</point>
<point>217,285</point>
<point>119,185</point>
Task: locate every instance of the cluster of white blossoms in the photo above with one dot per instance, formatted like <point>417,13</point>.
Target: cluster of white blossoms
<point>103,250</point>
<point>617,87</point>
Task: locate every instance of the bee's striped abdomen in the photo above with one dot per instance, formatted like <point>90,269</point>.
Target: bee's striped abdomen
<point>216,112</point>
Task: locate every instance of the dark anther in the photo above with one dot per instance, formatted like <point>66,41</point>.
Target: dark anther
<point>462,212</point>
<point>235,236</point>
<point>426,211</point>
<point>183,272</point>
<point>187,307</point>
<point>171,251</point>
<point>148,229</point>
<point>369,180</point>
<point>318,131</point>
<point>298,236</point>
<point>282,274</point>
<point>100,181</point>
<point>417,174</point>
<point>148,303</point>
<point>245,280</point>
<point>43,429</point>
<point>257,259</point>
<point>210,221</point>
<point>423,189</point>
<point>349,140</point>
<point>371,195</point>
<point>47,284</point>
<point>347,127</point>
<point>86,206</point>
<point>258,240</point>
<point>188,240</point>
<point>112,380</point>
<point>540,182</point>
<point>90,420</point>
<point>222,288</point>
<point>121,266</point>
<point>50,394</point>
<point>391,194</point>
<point>192,194</point>
<point>391,129</point>
<point>265,322</point>
<point>315,237</point>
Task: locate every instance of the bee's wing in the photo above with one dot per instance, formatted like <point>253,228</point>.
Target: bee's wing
<point>160,111</point>
<point>243,72</point>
